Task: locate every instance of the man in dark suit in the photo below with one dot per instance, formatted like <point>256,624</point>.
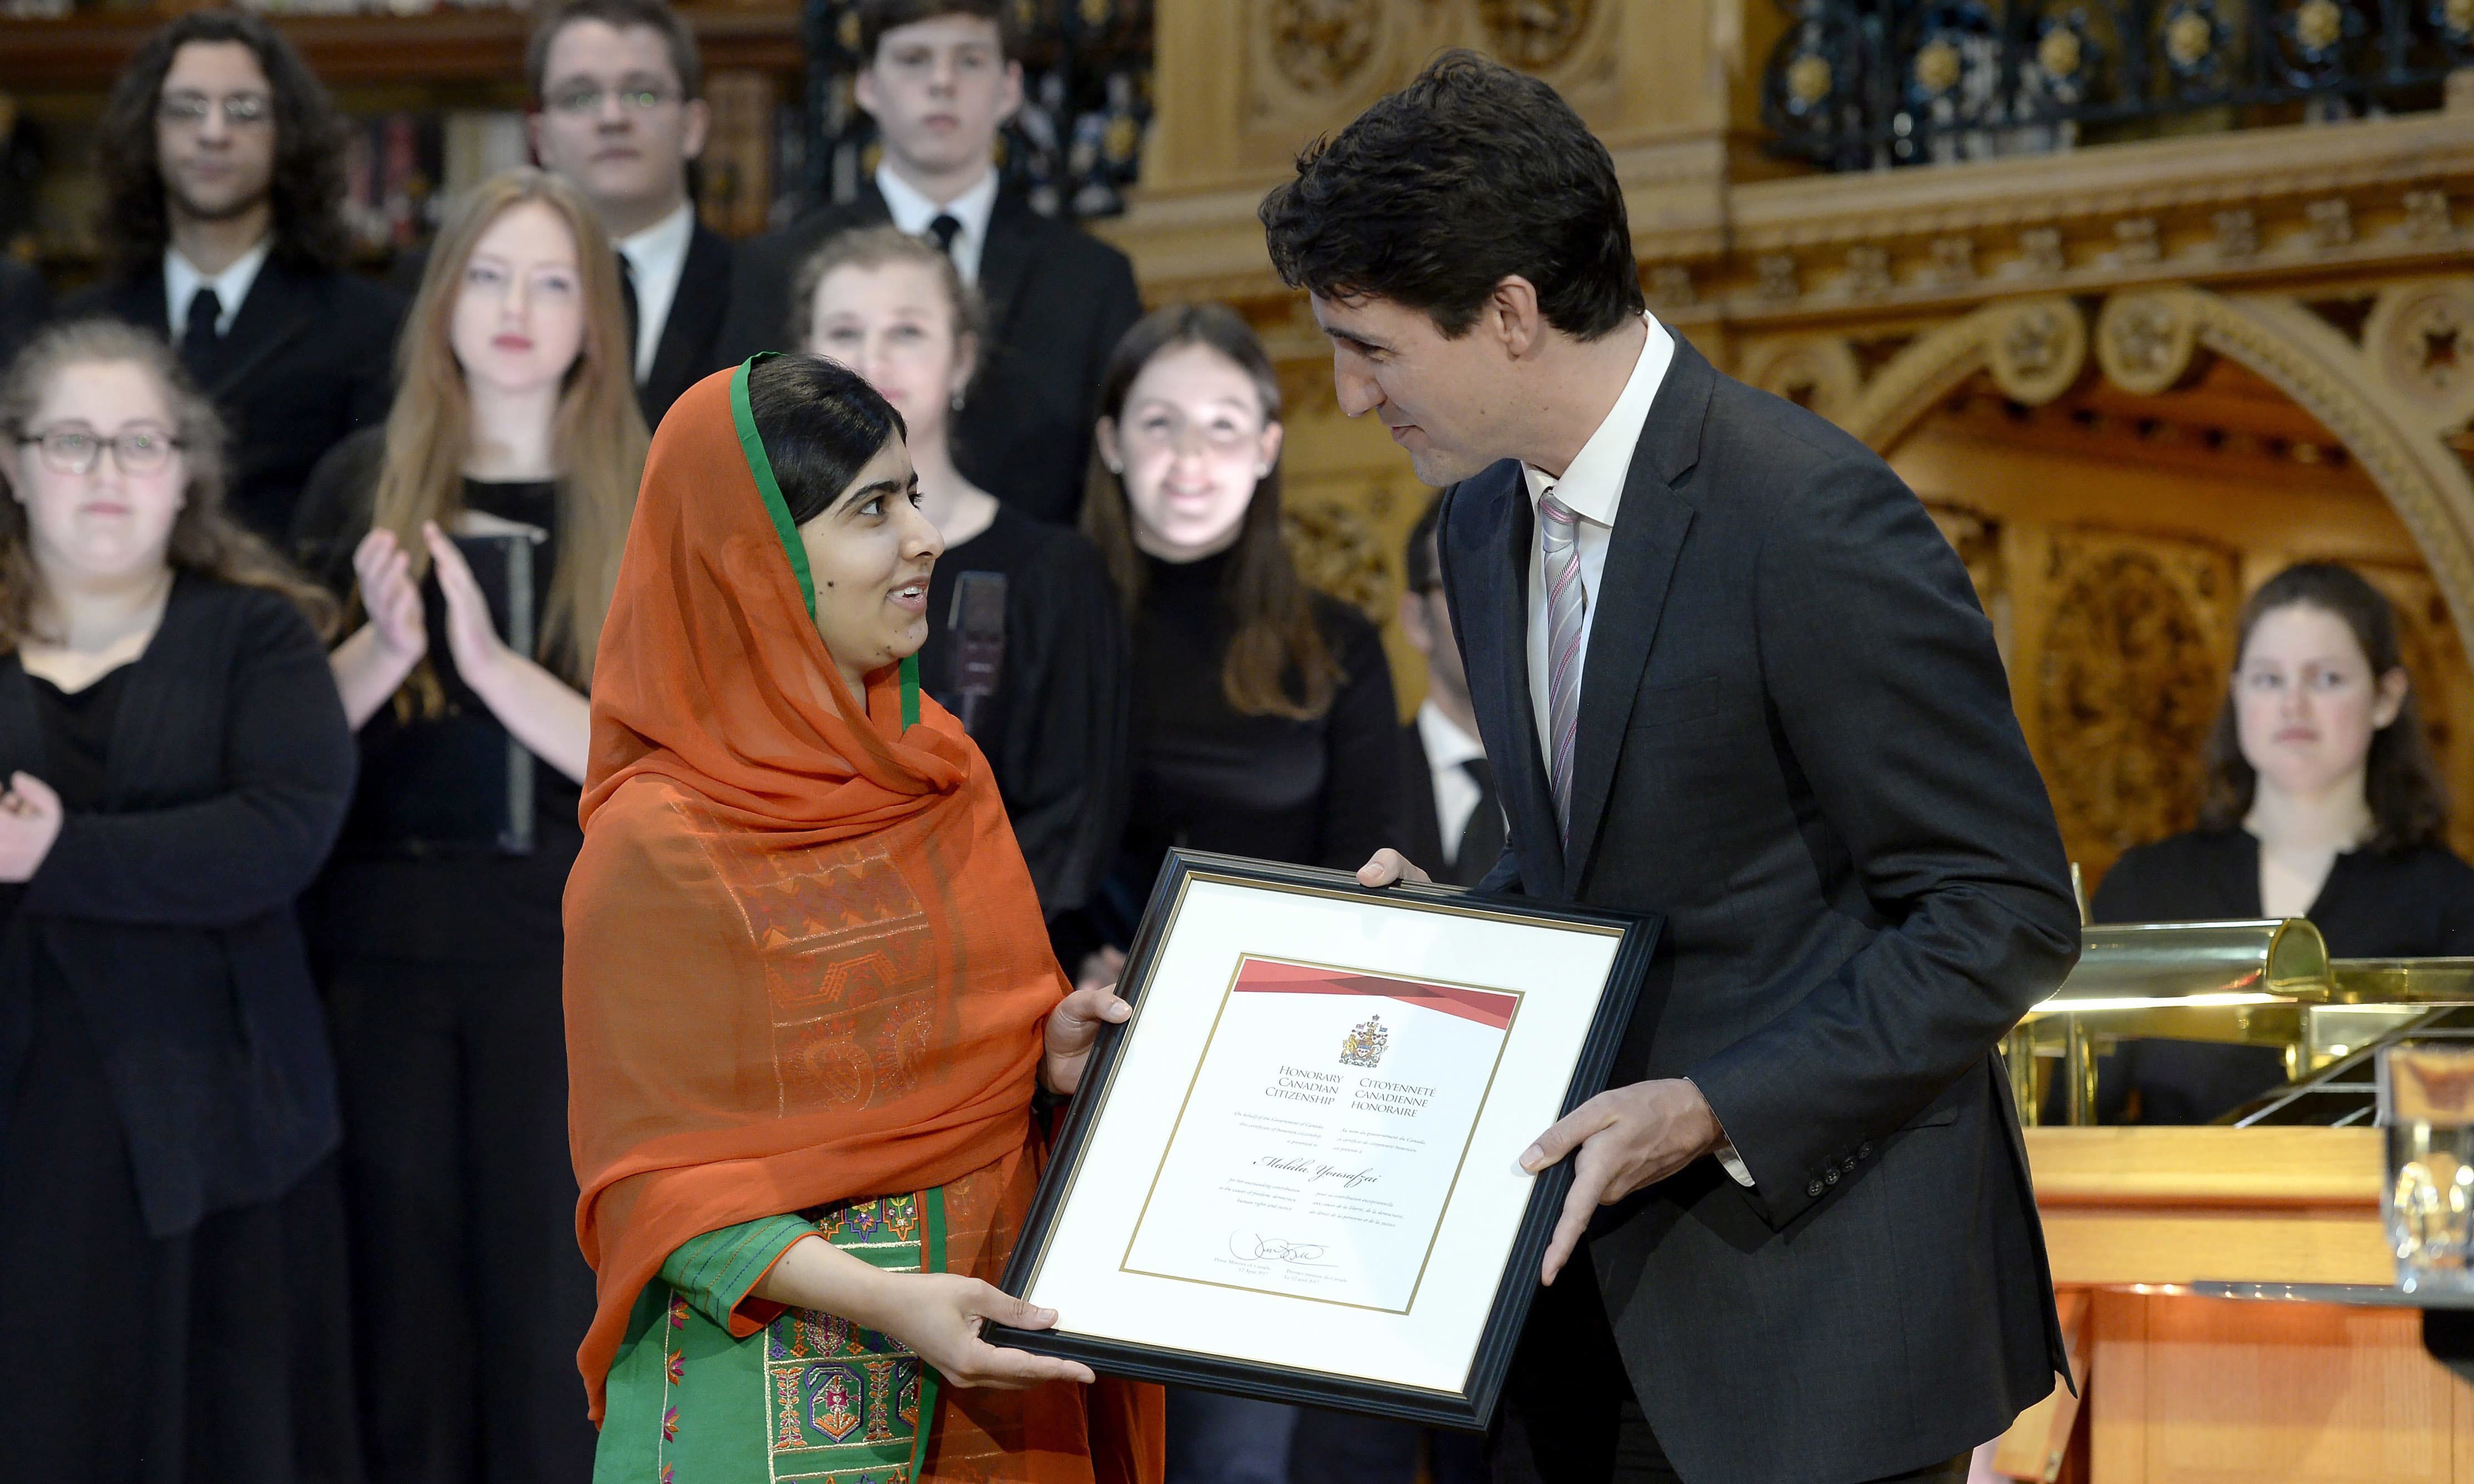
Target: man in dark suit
<point>940,77</point>
<point>223,170</point>
<point>1455,819</point>
<point>618,111</point>
<point>1729,673</point>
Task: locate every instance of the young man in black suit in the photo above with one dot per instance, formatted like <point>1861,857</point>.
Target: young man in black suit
<point>1729,673</point>
<point>223,170</point>
<point>940,77</point>
<point>618,94</point>
<point>1455,819</point>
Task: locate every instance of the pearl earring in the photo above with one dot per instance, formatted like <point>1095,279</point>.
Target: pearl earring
<point>956,401</point>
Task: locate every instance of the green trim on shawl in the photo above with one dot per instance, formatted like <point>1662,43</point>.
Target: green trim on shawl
<point>909,692</point>
<point>931,1241</point>
<point>758,464</point>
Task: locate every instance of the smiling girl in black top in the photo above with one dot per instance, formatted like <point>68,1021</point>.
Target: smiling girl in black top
<point>1264,722</point>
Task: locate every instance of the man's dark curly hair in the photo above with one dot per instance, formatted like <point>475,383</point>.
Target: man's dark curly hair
<point>1469,174</point>
<point>308,190</point>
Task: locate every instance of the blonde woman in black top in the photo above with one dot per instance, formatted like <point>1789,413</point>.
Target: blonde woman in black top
<point>439,922</point>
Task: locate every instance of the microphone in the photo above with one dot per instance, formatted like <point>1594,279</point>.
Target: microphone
<point>978,624</point>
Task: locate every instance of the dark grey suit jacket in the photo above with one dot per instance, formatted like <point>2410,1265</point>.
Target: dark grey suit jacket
<point>689,349</point>
<point>1059,300</point>
<point>309,358</point>
<point>1796,744</point>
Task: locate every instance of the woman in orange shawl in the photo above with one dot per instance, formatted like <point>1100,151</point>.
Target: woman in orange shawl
<point>809,991</point>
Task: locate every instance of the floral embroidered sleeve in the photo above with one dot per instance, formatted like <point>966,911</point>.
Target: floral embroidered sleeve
<point>716,1269</point>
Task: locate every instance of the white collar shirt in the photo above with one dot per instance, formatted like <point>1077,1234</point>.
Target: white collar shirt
<point>656,259</point>
<point>181,281</point>
<point>1592,489</point>
<point>913,211</point>
<point>1456,793</point>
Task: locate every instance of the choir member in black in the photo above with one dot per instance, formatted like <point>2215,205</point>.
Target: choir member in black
<point>940,77</point>
<point>2322,802</point>
<point>1448,789</point>
<point>619,111</point>
<point>1036,666</point>
<point>172,1257</point>
<point>1264,722</point>
<point>439,923</point>
<point>223,174</point>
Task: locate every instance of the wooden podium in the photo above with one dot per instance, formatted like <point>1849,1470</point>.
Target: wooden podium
<point>2180,1389</point>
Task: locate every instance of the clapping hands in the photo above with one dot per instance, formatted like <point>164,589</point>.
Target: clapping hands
<point>390,596</point>
<point>471,637</point>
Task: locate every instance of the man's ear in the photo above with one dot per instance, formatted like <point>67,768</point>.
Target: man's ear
<point>1512,312</point>
<point>863,90</point>
<point>695,127</point>
<point>533,123</point>
<point>1414,626</point>
<point>1010,93</point>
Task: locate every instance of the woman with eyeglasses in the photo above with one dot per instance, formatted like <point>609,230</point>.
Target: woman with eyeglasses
<point>176,767</point>
<point>1263,722</point>
<point>480,531</point>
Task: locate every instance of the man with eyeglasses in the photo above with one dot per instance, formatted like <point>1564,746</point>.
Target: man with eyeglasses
<point>940,77</point>
<point>616,88</point>
<point>223,168</point>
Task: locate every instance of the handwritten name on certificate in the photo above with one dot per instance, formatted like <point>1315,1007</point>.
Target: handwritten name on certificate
<point>1324,1134</point>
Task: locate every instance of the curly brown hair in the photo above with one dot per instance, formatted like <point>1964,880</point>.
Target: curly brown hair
<point>205,540</point>
<point>306,195</point>
<point>2400,783</point>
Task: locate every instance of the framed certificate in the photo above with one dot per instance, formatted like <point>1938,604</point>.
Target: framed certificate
<point>1293,1172</point>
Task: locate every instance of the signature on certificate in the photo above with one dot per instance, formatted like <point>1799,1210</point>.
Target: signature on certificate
<point>1253,1247</point>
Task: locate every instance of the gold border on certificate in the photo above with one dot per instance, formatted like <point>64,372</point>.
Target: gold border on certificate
<point>1403,902</point>
<point>1477,1115</point>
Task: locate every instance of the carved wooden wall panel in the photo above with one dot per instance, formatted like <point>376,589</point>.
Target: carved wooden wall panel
<point>2121,644</point>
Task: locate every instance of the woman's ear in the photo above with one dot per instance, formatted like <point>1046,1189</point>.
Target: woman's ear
<point>966,361</point>
<point>1267,449</point>
<point>1110,452</point>
<point>2390,700</point>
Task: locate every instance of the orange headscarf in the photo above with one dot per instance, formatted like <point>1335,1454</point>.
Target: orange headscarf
<point>805,963</point>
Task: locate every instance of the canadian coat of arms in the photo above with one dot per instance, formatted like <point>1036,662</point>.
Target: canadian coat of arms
<point>1364,1046</point>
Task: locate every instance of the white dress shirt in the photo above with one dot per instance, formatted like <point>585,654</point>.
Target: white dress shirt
<point>181,281</point>
<point>1592,489</point>
<point>913,212</point>
<point>1456,793</point>
<point>656,259</point>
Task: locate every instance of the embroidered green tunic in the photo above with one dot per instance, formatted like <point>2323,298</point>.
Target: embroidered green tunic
<point>809,1397</point>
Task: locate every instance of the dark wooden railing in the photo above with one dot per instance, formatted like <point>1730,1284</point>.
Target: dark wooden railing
<point>1858,85</point>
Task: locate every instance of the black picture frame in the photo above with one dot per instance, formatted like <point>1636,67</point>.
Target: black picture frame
<point>1471,1409</point>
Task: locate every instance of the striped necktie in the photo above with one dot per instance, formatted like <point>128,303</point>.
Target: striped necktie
<point>1568,608</point>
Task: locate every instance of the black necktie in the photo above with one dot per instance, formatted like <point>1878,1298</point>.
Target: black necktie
<point>944,228</point>
<point>201,341</point>
<point>1482,838</point>
<point>627,302</point>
